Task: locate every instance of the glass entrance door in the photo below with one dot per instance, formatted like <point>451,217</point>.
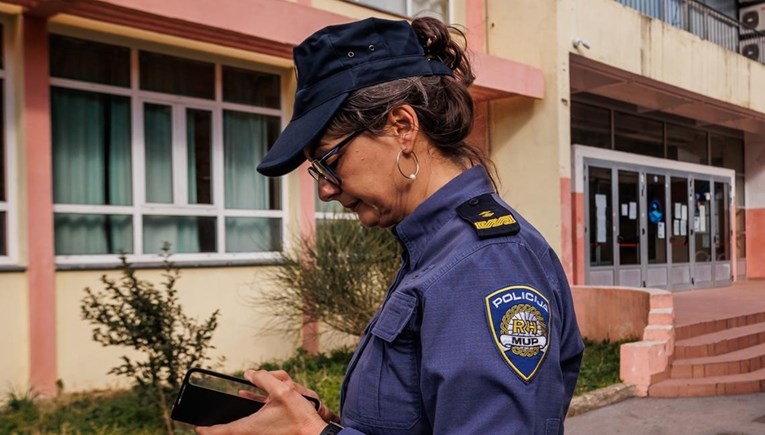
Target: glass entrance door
<point>680,240</point>
<point>656,228</point>
<point>657,270</point>
<point>722,234</point>
<point>702,233</point>
<point>629,229</point>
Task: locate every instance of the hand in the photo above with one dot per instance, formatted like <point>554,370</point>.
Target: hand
<point>325,413</point>
<point>286,411</point>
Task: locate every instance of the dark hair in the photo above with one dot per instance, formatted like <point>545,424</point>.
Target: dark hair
<point>443,104</point>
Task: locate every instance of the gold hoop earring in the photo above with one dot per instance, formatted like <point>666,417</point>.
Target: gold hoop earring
<point>413,175</point>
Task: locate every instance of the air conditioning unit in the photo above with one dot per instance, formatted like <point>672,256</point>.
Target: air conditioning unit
<point>753,49</point>
<point>753,17</point>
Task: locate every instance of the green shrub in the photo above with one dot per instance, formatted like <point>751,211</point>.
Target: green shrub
<point>340,277</point>
<point>322,373</point>
<point>134,314</point>
<point>600,365</point>
<point>99,412</point>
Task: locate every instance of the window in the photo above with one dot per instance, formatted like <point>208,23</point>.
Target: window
<point>637,135</point>
<point>411,8</point>
<point>169,156</point>
<point>687,144</point>
<point>590,125</point>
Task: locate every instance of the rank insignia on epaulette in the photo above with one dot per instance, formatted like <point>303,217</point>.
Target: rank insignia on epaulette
<point>488,217</point>
<point>519,320</point>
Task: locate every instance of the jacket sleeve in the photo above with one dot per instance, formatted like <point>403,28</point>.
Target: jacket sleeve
<point>469,383</point>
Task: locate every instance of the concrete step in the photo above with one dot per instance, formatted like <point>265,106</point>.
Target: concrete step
<point>744,383</point>
<point>718,343</point>
<point>683,332</point>
<point>740,361</point>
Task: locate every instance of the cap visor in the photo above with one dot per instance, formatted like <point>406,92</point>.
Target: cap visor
<point>286,154</point>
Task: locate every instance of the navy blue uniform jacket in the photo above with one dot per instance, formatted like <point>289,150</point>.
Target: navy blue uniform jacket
<point>476,335</point>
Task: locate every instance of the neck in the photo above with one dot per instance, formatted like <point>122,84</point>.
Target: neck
<point>435,173</point>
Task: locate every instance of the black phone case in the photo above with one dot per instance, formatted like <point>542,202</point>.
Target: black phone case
<point>201,406</point>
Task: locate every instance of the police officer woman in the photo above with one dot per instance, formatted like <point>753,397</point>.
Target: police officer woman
<point>477,334</point>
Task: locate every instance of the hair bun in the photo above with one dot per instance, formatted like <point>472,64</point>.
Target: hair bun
<point>440,42</point>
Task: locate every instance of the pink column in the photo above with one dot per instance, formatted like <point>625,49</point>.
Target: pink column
<point>307,230</point>
<point>475,17</point>
<point>755,240</point>
<point>39,201</point>
<point>577,226</point>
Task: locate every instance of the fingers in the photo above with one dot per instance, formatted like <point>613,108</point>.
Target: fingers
<point>281,375</point>
<point>251,395</point>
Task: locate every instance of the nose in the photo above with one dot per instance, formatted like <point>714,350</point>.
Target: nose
<point>327,191</point>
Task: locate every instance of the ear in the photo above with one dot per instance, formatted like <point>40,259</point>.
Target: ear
<point>404,125</point>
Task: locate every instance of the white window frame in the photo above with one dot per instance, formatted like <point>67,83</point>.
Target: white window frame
<point>409,12</point>
<point>9,206</point>
<point>180,206</point>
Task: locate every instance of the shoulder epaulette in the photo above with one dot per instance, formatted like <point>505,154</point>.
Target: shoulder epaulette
<point>488,217</point>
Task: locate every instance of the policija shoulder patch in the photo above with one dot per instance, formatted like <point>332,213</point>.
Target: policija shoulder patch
<point>488,217</point>
<point>519,320</point>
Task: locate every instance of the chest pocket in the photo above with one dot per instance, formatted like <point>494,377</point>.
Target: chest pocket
<point>383,389</point>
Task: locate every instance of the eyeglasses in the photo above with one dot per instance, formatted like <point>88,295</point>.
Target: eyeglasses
<point>321,170</point>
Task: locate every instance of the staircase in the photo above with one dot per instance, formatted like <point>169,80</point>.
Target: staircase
<point>716,357</point>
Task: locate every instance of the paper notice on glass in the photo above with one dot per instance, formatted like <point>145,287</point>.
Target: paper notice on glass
<point>625,209</point>
<point>676,227</point>
<point>684,213</point>
<point>600,218</point>
<point>705,241</point>
<point>633,210</point>
<point>683,227</point>
<point>678,210</point>
<point>703,218</point>
<point>660,230</point>
<point>696,224</point>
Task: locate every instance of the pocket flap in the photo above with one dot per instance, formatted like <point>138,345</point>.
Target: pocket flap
<point>394,316</point>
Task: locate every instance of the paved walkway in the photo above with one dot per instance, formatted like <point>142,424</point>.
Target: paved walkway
<point>744,297</point>
<point>723,415</point>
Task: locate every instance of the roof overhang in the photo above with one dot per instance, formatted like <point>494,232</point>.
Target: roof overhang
<point>588,76</point>
<point>259,26</point>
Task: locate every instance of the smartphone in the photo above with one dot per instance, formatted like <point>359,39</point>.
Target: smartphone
<point>208,398</point>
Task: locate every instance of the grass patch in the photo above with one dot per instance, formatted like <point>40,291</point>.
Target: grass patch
<point>126,412</point>
<point>96,412</point>
<point>600,365</point>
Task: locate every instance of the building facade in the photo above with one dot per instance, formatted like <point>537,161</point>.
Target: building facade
<point>632,135</point>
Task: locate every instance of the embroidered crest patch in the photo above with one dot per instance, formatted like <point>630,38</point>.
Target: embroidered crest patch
<point>519,319</point>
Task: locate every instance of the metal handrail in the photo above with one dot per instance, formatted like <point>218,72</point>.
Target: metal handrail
<point>706,23</point>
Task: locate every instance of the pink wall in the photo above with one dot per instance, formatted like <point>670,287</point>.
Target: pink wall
<point>37,149</point>
<point>611,313</point>
<point>755,240</point>
<point>577,217</point>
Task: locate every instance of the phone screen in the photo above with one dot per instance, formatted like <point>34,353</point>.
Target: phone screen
<point>208,398</point>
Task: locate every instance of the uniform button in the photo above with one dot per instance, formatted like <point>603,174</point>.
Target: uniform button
<point>371,47</point>
<point>473,201</point>
<point>350,54</point>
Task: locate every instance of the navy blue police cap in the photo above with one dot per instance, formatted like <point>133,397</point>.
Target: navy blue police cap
<point>331,64</point>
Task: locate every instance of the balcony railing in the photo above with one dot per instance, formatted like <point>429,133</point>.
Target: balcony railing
<point>705,22</point>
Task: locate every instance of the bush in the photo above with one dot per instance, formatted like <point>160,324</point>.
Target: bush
<point>322,373</point>
<point>600,365</point>
<point>100,412</point>
<point>339,277</point>
<point>133,313</point>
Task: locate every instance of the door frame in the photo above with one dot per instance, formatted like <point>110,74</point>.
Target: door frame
<point>584,156</point>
